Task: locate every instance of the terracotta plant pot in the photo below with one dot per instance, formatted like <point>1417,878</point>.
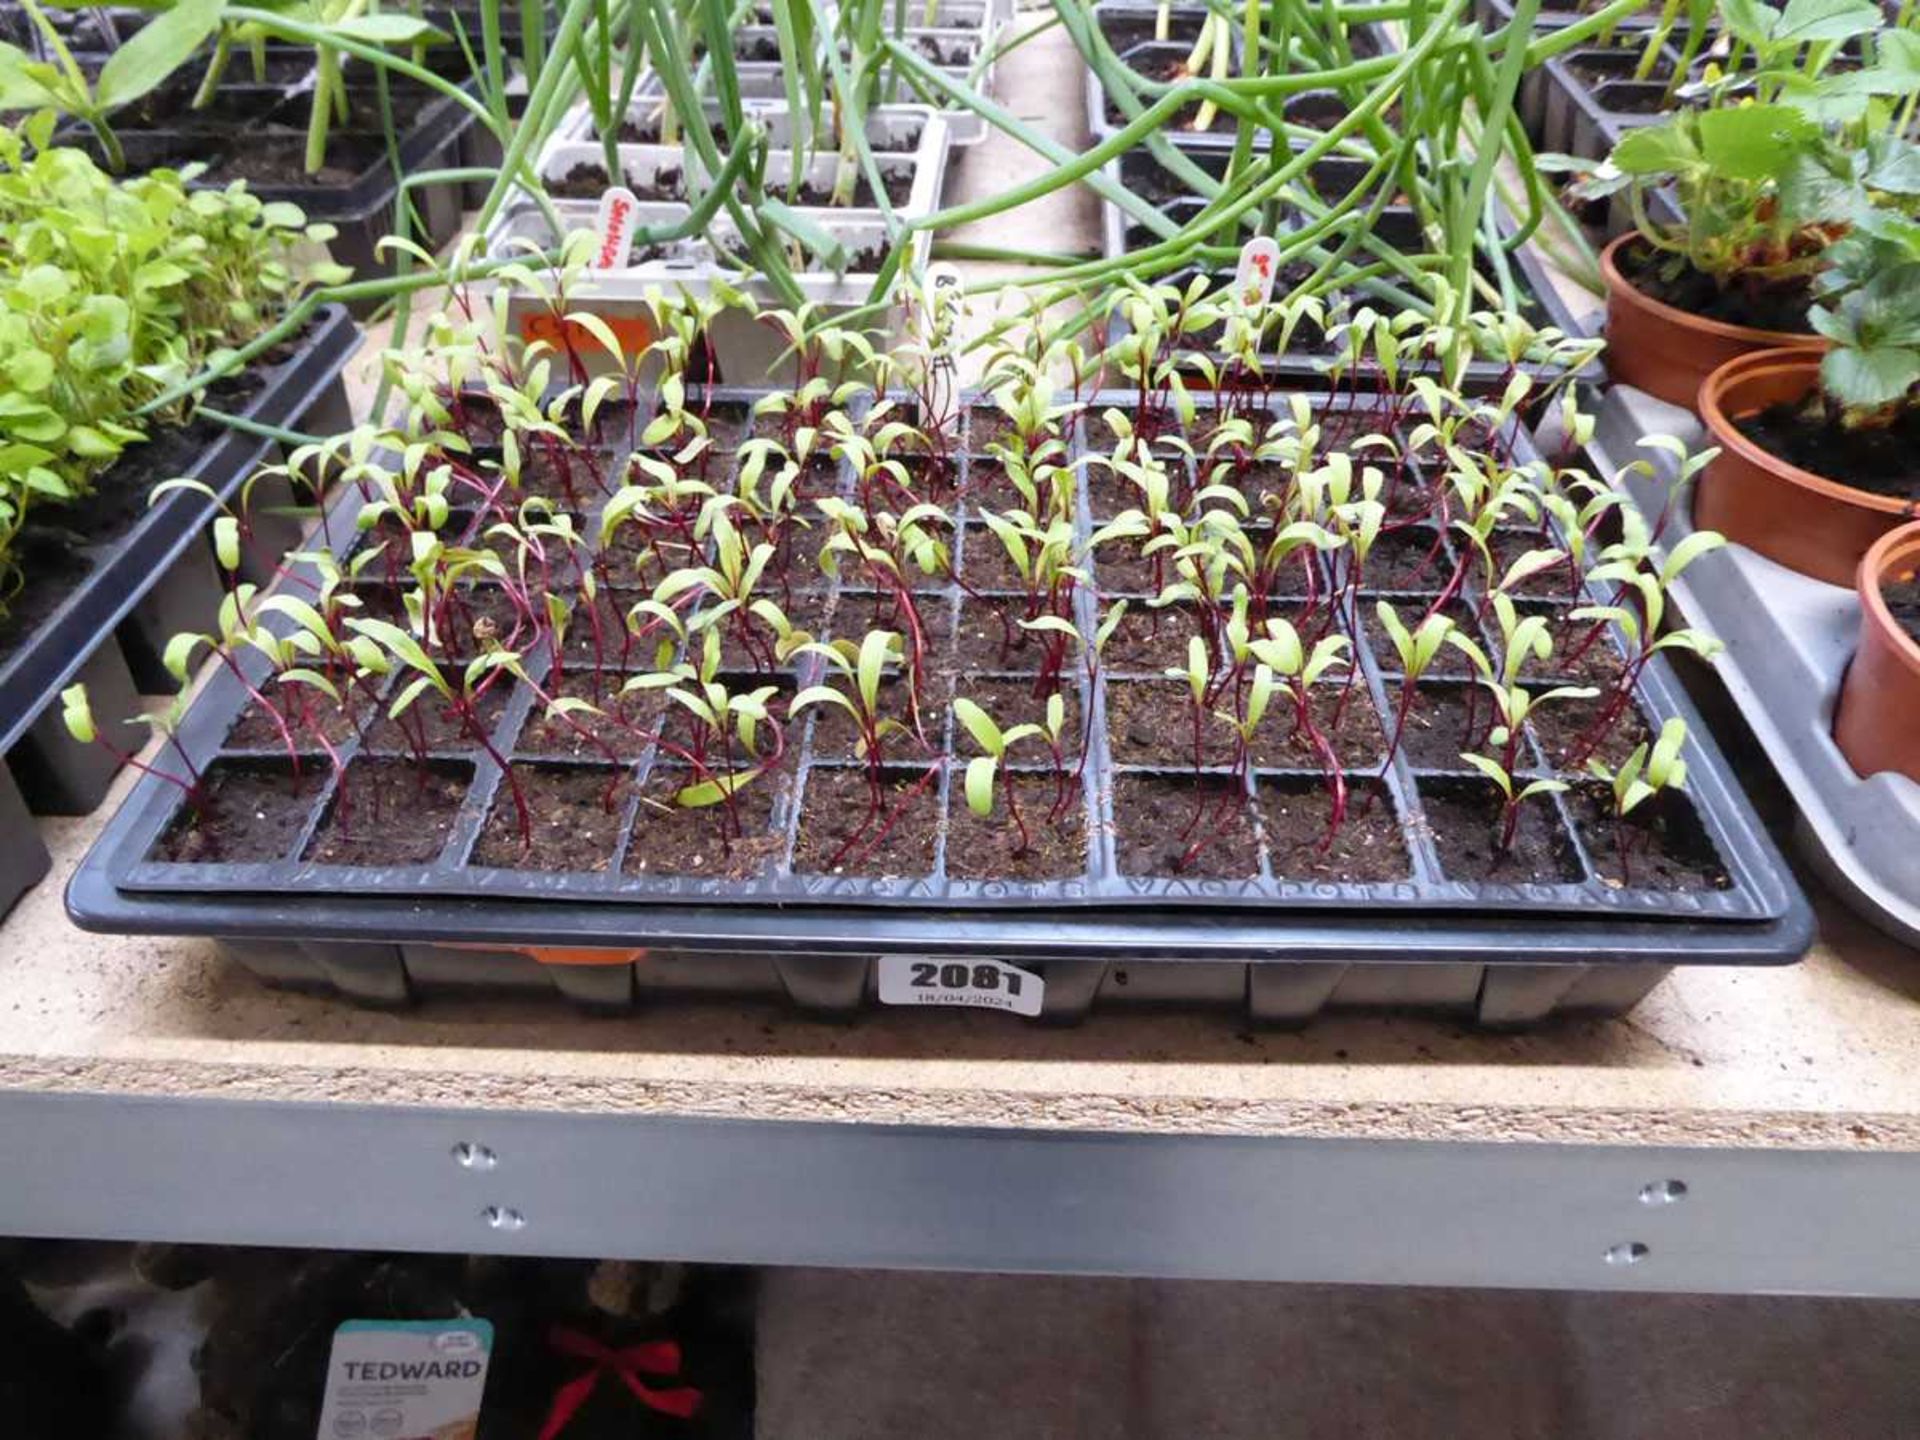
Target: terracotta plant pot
<point>1802,520</point>
<point>1877,723</point>
<point>1667,352</point>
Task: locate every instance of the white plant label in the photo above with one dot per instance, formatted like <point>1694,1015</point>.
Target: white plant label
<point>406,1380</point>
<point>980,984</point>
<point>614,225</point>
<point>1259,264</point>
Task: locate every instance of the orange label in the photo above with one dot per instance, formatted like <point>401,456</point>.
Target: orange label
<point>634,332</point>
<point>554,955</point>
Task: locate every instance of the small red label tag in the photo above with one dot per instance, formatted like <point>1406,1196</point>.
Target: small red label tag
<point>1254,276</point>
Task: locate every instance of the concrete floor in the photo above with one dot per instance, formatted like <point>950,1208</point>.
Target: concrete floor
<point>859,1355</point>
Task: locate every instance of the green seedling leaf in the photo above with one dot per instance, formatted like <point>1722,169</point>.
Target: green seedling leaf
<point>1493,770</point>
<point>979,784</point>
<point>177,658</point>
<point>980,725</point>
<point>76,712</point>
<point>716,791</point>
<point>226,542</point>
<point>162,46</point>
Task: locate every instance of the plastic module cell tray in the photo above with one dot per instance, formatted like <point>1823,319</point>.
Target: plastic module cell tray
<point>1759,917</point>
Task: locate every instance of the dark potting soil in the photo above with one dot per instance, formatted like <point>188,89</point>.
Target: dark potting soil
<point>1168,70</point>
<point>1661,845</point>
<point>855,612</point>
<point>172,108</point>
<point>1596,69</point>
<point>837,815</point>
<point>1561,726</point>
<point>930,477</point>
<point>1013,702</point>
<point>1882,460</point>
<point>1159,188</point>
<point>248,810</point>
<point>986,426</point>
<point>625,724</point>
<point>985,563</point>
<point>1124,31</point>
<point>806,610</point>
<point>670,839</point>
<point>1150,640</point>
<point>431,721</point>
<point>363,109</point>
<point>1630,98</point>
<point>1903,599</point>
<point>564,475</point>
<point>1150,722</point>
<point>1109,494</point>
<point>1120,569</point>
<point>981,641</point>
<point>574,814</point>
<point>1557,582</point>
<point>728,422</point>
<point>1672,281</point>
<point>1450,663</point>
<point>952,51</point>
<point>390,811</point>
<point>1410,558</point>
<point>1580,656</point>
<point>1464,819</point>
<point>646,131</point>
<point>988,848</point>
<point>1368,848</point>
<point>256,730</point>
<point>1443,722</point>
<point>1154,816</point>
<point>613,647</point>
<point>1324,111</point>
<point>899,186</point>
<point>836,737</point>
<point>585,181</point>
<point>1343,714</point>
<point>277,160</point>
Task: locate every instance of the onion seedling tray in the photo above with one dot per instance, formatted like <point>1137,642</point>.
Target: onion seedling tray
<point>152,578</point>
<point>813,934</point>
<point>747,351</point>
<point>1333,177</point>
<point>974,28</point>
<point>1128,26</point>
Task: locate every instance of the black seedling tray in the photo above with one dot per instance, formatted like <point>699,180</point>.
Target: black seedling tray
<point>1129,30</point>
<point>363,209</point>
<point>1758,903</point>
<point>78,640</point>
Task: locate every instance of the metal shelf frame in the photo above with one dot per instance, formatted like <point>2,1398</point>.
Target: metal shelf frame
<point>1588,1217</point>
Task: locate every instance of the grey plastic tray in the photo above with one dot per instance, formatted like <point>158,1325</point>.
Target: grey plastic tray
<point>1789,640</point>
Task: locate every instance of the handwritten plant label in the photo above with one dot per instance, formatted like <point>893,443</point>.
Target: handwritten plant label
<point>614,225</point>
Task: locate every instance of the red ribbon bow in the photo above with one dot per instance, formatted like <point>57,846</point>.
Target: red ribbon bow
<point>654,1357</point>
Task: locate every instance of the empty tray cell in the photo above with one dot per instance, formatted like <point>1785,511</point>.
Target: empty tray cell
<point>390,811</point>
